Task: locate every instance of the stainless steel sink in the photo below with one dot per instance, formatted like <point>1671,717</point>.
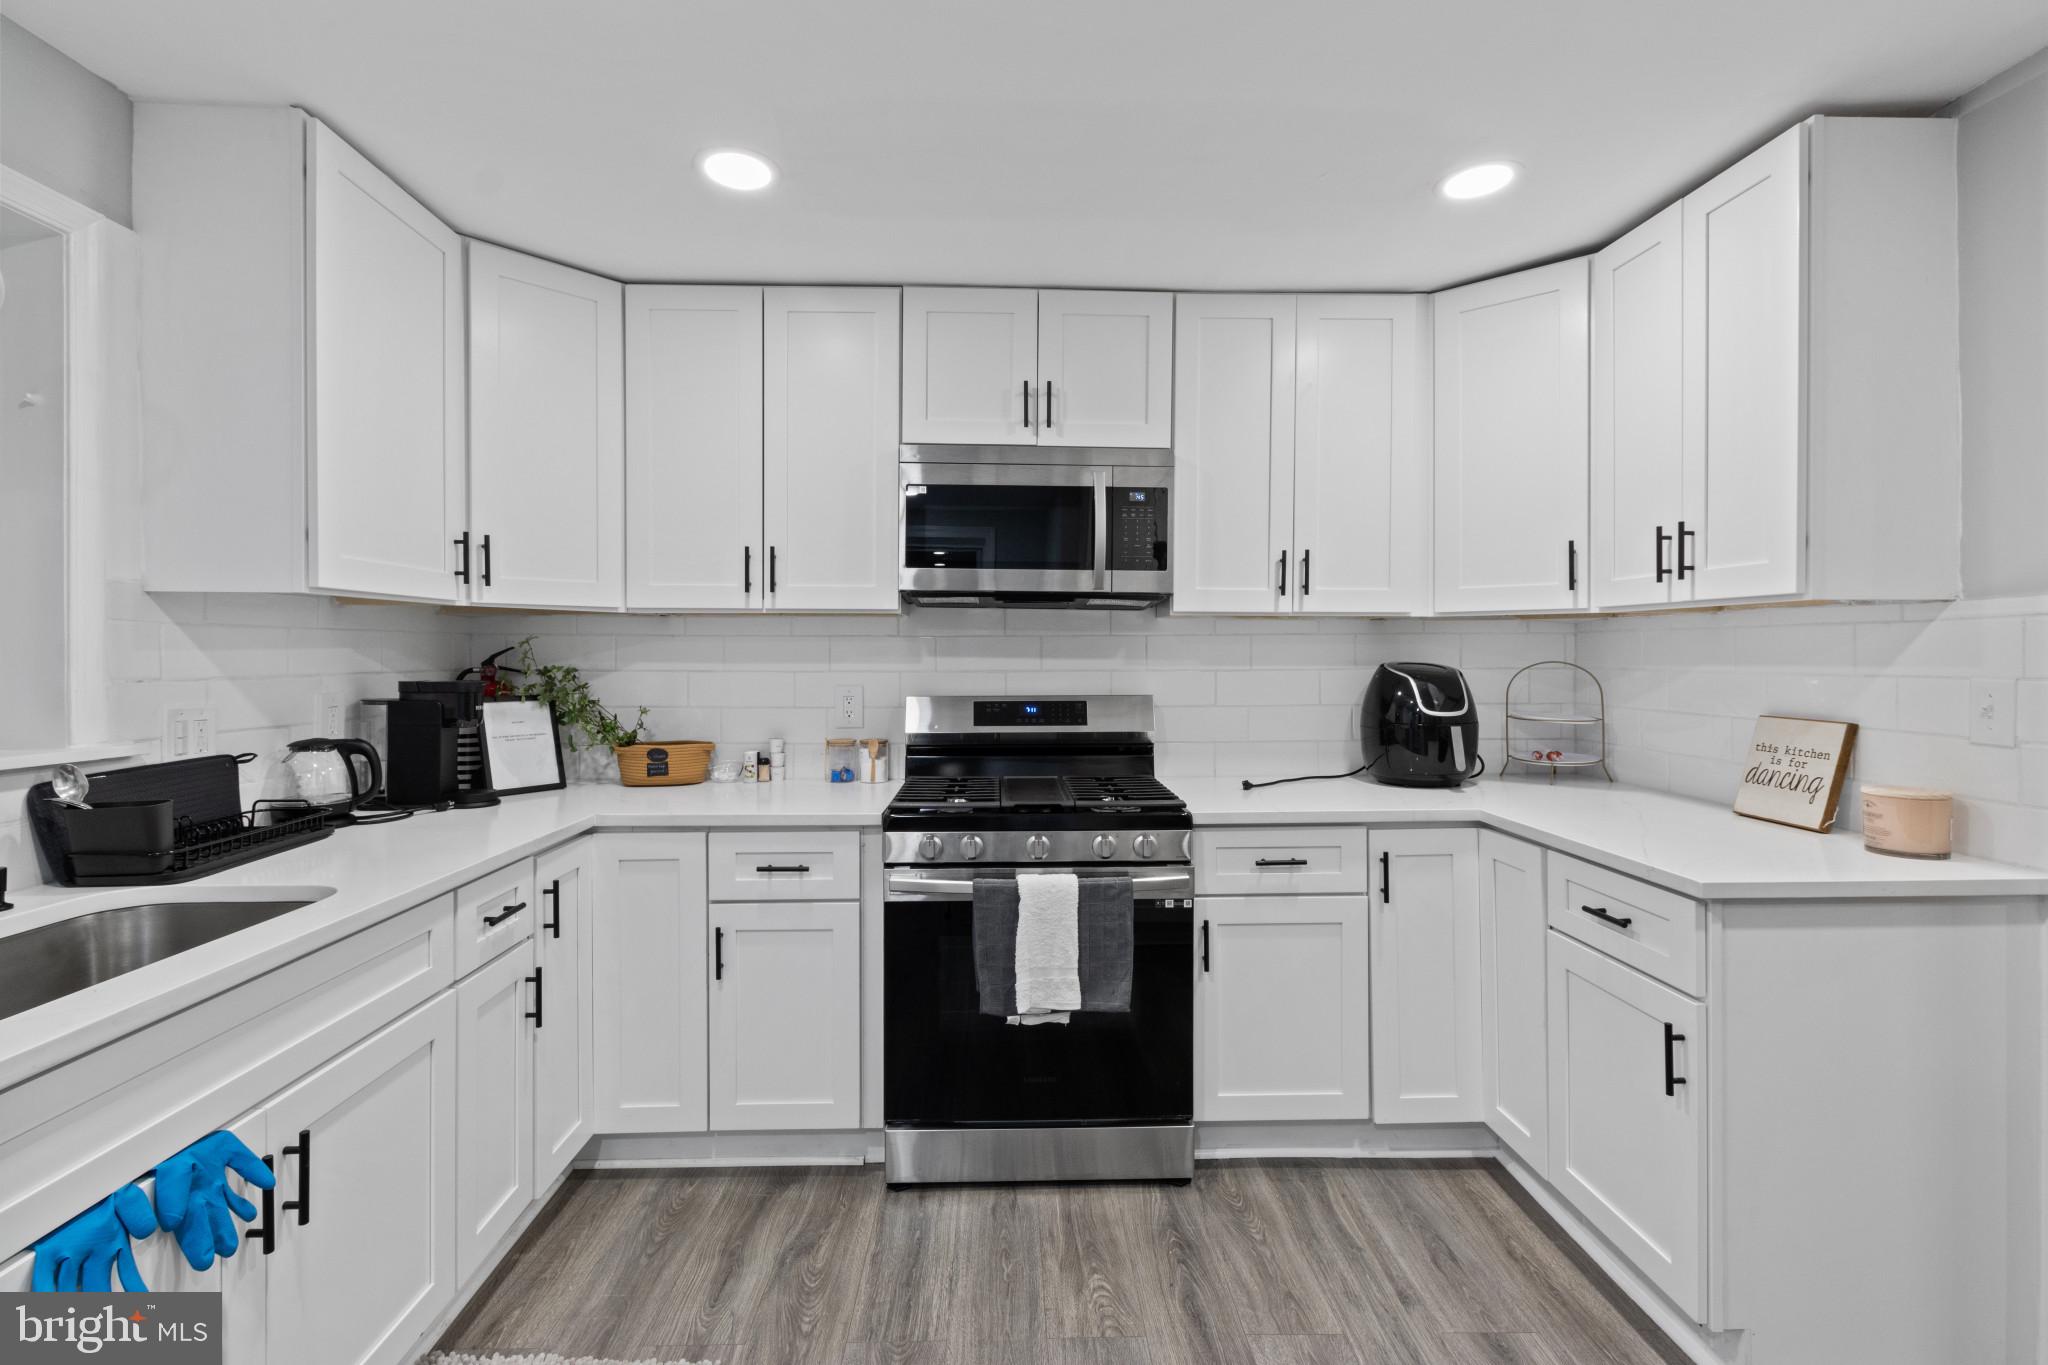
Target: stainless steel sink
<point>41,965</point>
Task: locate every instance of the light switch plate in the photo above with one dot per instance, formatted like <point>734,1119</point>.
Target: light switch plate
<point>1992,702</point>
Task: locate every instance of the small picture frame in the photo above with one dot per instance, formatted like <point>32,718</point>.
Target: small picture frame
<point>522,744</point>
<point>1794,771</point>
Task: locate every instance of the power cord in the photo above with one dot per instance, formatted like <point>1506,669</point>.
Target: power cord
<point>1313,777</point>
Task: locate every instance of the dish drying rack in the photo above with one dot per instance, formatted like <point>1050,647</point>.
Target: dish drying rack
<point>1556,699</point>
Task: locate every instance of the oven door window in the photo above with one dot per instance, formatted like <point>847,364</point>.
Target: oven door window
<point>948,1064</point>
<point>1027,527</point>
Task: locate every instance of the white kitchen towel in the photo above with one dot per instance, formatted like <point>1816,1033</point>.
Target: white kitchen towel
<point>1048,946</point>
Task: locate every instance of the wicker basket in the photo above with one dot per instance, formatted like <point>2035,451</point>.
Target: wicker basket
<point>665,763</point>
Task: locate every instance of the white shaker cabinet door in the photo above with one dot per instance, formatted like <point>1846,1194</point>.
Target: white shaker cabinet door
<point>564,1079</point>
<point>1638,422</point>
<point>1513,1021</point>
<point>1280,1008</point>
<point>386,382</point>
<point>1745,444</point>
<point>785,1016</point>
<point>648,973</point>
<point>547,449</point>
<point>1233,453</point>
<point>970,367</point>
<point>1361,454</point>
<point>1511,370</point>
<point>1105,368</point>
<point>1425,976</point>
<point>494,1104</point>
<point>1627,1113</point>
<point>830,448</point>
<point>367,1147</point>
<point>693,447</point>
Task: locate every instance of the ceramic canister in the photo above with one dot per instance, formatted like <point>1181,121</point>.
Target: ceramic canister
<point>1907,822</point>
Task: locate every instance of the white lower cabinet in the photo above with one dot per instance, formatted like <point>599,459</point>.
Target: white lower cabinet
<point>785,1015</point>
<point>564,1083</point>
<point>1628,1116</point>
<point>1513,1019</point>
<point>648,973</point>
<point>494,1105</point>
<point>365,1156</point>
<point>1425,976</point>
<point>1280,1008</point>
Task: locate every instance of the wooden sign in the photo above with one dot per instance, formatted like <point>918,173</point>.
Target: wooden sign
<point>1793,774</point>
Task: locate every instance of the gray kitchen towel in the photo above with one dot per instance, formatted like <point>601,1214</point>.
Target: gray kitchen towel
<point>1105,928</point>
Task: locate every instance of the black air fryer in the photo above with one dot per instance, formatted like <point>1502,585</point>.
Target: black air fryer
<point>1420,727</point>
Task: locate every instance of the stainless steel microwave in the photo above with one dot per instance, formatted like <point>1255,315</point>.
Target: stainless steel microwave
<point>1031,526</point>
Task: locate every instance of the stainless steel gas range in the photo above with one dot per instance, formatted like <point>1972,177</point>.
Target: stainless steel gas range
<point>995,786</point>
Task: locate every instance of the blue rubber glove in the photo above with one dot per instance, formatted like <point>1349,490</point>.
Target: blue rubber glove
<point>193,1197</point>
<point>83,1253</point>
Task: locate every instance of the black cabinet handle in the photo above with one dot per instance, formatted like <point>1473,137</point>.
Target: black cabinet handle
<point>1662,540</point>
<point>303,1150</point>
<point>1283,573</point>
<point>1599,912</point>
<point>772,572</point>
<point>534,1013</point>
<point>553,891</point>
<point>747,569</point>
<point>1684,566</point>
<point>265,1231</point>
<point>1571,566</point>
<point>1027,405</point>
<point>1047,425</point>
<point>1281,862</point>
<point>1205,945</point>
<point>492,921</point>
<point>1304,573</point>
<point>1386,877</point>
<point>485,547</point>
<point>718,954</point>
<point>463,542</point>
<point>1672,1080</point>
<point>779,867</point>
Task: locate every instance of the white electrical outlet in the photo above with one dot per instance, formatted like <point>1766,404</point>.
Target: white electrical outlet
<point>1991,711</point>
<point>188,732</point>
<point>327,712</point>
<point>849,714</point>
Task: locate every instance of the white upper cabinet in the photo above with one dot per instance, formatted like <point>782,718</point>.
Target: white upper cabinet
<point>1425,977</point>
<point>693,447</point>
<point>1052,367</point>
<point>547,454</point>
<point>1638,422</point>
<point>1233,452</point>
<point>1105,368</point>
<point>970,366</point>
<point>1510,440</point>
<point>830,448</point>
<point>1361,454</point>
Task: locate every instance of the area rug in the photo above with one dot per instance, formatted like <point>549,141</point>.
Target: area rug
<point>443,1358</point>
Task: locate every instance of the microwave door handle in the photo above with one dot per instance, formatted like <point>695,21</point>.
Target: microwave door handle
<point>1103,580</point>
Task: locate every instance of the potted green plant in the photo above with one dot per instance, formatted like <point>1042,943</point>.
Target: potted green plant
<point>642,763</point>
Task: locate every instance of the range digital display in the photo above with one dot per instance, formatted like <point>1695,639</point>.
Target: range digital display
<point>1013,712</point>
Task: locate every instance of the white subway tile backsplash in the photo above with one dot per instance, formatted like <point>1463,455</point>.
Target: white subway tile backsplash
<point>1200,651</point>
<point>1268,687</point>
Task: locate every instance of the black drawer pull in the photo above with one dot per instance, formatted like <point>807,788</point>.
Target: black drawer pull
<point>534,1013</point>
<point>303,1150</point>
<point>266,1230</point>
<point>1281,862</point>
<point>1599,912</point>
<point>779,867</point>
<point>1672,1080</point>
<point>1205,945</point>
<point>553,891</point>
<point>1386,878</point>
<point>493,921</point>
<point>718,954</point>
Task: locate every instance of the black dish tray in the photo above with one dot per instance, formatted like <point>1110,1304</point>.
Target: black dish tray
<point>211,831</point>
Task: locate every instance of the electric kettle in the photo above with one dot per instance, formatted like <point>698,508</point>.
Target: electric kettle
<point>324,775</point>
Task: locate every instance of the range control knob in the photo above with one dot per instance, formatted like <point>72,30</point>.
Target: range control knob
<point>970,845</point>
<point>1105,845</point>
<point>1038,846</point>
<point>929,846</point>
<point>1145,845</point>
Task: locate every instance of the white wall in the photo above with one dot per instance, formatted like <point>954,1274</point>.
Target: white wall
<point>62,125</point>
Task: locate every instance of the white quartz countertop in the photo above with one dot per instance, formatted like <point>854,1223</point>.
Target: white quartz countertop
<point>360,876</point>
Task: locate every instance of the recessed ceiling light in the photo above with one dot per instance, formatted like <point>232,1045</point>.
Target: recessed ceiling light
<point>736,170</point>
<point>1476,182</point>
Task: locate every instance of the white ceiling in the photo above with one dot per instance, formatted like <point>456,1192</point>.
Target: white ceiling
<point>1172,143</point>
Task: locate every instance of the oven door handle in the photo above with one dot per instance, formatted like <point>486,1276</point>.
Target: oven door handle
<point>1148,886</point>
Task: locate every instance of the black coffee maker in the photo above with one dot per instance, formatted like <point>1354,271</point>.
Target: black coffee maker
<point>1420,726</point>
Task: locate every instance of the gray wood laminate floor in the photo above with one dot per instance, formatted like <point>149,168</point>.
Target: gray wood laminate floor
<point>1270,1263</point>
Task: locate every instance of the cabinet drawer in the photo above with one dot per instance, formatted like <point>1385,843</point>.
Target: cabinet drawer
<point>1663,933</point>
<point>492,914</point>
<point>1239,862</point>
<point>786,866</point>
